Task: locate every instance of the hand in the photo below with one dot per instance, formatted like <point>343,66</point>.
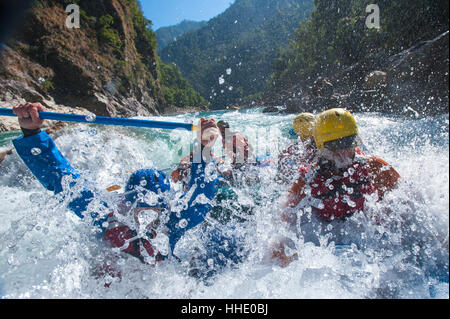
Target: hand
<point>28,115</point>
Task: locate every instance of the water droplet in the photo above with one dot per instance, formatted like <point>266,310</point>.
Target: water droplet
<point>36,151</point>
<point>91,117</point>
<point>351,203</point>
<point>221,80</point>
<point>143,183</point>
<point>41,80</point>
<point>183,223</point>
<point>228,71</point>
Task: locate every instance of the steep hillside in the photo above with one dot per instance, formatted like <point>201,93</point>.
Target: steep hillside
<point>232,57</point>
<point>108,66</point>
<point>166,35</point>
<point>335,60</point>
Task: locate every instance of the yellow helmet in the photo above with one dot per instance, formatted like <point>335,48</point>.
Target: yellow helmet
<point>333,125</point>
<point>303,125</point>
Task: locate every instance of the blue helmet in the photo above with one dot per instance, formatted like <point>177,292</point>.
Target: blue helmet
<point>149,180</point>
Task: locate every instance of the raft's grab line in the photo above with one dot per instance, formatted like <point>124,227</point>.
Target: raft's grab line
<point>102,120</point>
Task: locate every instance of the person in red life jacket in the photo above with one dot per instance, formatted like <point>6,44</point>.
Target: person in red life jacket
<point>235,144</point>
<point>300,153</point>
<point>336,187</point>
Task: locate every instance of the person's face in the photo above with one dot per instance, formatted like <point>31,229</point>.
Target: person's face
<point>341,158</point>
<point>209,137</point>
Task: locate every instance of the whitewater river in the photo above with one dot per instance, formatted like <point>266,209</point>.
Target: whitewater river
<point>47,252</point>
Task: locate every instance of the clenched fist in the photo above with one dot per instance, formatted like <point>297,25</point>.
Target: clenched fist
<point>28,115</point>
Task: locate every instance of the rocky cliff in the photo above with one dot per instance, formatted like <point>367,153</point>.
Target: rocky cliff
<point>107,66</point>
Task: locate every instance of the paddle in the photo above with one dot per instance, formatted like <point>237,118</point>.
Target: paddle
<point>102,120</point>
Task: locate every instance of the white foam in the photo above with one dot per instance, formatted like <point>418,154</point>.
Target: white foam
<point>39,236</point>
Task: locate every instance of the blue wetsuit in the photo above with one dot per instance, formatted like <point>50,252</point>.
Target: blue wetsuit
<point>49,166</point>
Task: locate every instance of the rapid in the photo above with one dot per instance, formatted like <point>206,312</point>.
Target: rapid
<point>48,252</point>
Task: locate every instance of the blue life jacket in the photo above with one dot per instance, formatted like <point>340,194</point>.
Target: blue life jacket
<point>49,166</point>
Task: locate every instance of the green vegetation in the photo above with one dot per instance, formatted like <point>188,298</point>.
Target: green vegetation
<point>164,82</point>
<point>336,36</point>
<point>48,85</point>
<point>166,35</point>
<point>107,34</point>
<point>232,57</point>
<point>145,38</point>
<point>176,89</point>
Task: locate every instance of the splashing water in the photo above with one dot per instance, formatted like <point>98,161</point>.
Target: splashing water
<point>406,257</point>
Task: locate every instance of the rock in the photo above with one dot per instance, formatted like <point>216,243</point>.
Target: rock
<point>376,78</point>
<point>322,87</point>
<point>56,127</point>
<point>294,105</point>
<point>271,109</point>
<point>419,77</point>
<point>12,90</point>
<point>55,65</point>
<point>8,124</point>
<point>4,154</point>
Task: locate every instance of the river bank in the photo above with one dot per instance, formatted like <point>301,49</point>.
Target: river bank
<point>412,82</point>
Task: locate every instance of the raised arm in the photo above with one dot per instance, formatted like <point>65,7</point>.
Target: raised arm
<point>42,157</point>
<point>201,188</point>
<point>385,177</point>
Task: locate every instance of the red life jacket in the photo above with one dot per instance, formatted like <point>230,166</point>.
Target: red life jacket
<point>118,234</point>
<point>341,194</point>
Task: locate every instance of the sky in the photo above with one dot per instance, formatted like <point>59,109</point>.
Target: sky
<point>165,13</point>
